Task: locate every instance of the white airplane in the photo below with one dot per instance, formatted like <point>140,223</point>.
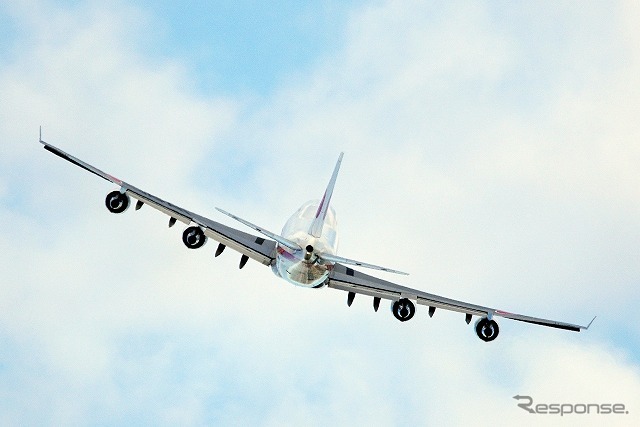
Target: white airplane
<point>304,254</point>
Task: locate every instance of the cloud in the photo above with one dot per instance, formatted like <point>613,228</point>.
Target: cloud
<point>456,169</point>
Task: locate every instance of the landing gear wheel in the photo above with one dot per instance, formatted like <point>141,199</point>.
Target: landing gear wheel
<point>193,237</point>
<point>117,202</point>
<point>487,330</point>
<point>403,309</point>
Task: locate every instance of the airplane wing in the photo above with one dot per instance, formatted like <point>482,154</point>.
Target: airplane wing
<point>354,282</point>
<point>250,246</point>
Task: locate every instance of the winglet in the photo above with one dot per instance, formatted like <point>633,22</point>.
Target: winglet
<point>323,207</point>
<point>587,327</point>
<point>41,141</point>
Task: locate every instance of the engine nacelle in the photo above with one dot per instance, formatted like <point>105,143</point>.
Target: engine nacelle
<point>403,309</point>
<point>117,202</point>
<point>486,329</point>
<point>193,237</point>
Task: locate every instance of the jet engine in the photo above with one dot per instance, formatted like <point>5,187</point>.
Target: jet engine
<point>486,329</point>
<point>403,309</point>
<point>193,237</point>
<point>117,202</point>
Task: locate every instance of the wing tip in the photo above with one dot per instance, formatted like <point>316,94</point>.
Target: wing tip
<point>587,327</point>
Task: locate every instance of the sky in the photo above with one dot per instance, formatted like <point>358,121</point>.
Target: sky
<point>491,151</point>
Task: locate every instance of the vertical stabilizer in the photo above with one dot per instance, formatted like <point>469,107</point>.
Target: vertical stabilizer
<point>323,207</point>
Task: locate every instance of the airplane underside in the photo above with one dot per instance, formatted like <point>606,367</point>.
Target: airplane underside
<point>304,254</point>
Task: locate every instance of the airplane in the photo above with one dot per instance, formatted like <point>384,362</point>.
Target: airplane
<point>304,254</point>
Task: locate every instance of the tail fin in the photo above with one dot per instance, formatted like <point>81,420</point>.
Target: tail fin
<point>323,207</point>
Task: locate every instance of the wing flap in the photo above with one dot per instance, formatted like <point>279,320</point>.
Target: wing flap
<point>349,280</point>
<point>364,290</point>
<point>542,322</point>
<point>257,248</point>
<point>157,204</point>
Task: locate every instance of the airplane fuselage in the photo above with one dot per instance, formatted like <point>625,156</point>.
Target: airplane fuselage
<point>303,267</point>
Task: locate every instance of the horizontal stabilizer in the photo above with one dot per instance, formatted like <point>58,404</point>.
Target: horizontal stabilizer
<point>334,259</point>
<point>282,240</point>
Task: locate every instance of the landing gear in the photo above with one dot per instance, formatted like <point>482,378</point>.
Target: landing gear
<point>117,202</point>
<point>193,237</point>
<point>403,309</point>
<point>487,330</point>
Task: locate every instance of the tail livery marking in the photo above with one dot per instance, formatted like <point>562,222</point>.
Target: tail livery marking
<point>323,207</point>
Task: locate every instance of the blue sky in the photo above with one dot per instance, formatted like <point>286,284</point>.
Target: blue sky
<point>247,46</point>
<point>491,150</point>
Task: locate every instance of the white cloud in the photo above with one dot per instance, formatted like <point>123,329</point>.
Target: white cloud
<point>109,318</point>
